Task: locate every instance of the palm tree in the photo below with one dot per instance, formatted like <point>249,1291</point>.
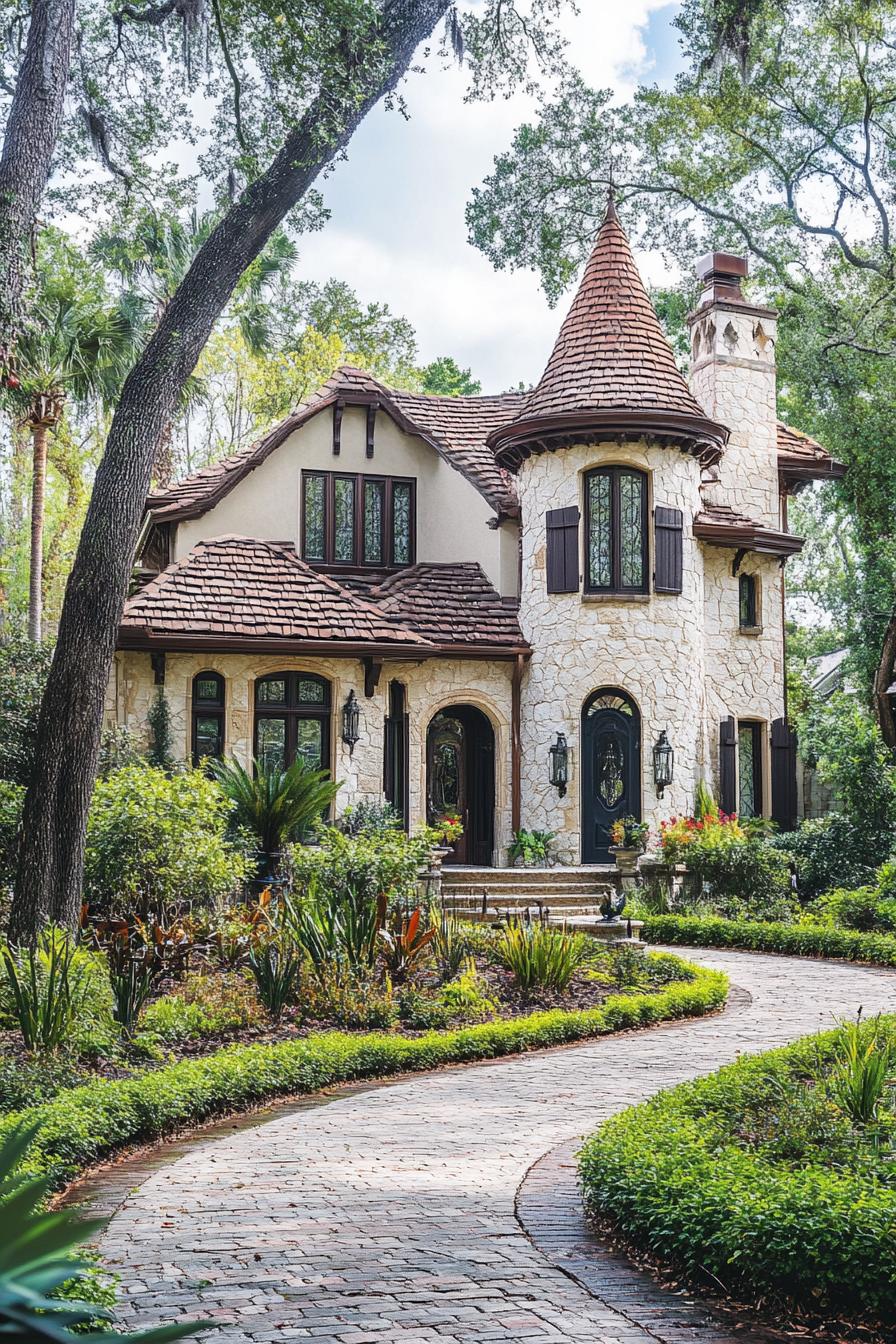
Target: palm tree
<point>76,347</point>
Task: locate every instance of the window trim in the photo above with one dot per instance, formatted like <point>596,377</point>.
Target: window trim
<point>292,710</point>
<point>208,710</point>
<point>616,586</point>
<point>361,480</point>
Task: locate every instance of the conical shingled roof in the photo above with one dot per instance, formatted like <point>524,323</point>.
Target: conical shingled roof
<point>611,366</point>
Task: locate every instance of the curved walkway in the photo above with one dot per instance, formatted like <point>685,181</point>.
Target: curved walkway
<point>388,1215</point>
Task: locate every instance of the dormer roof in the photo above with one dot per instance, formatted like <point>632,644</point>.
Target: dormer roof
<point>611,370</point>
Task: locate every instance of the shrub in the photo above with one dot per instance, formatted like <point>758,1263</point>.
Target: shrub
<point>275,805</point>
<point>155,840</point>
<point>451,946</point>
<point>204,1005</point>
<point>861,909</point>
<point>160,752</point>
<point>331,931</point>
<point>23,675</point>
<point>532,847</point>
<point>729,1176</point>
<point>82,1126</point>
<point>369,818</point>
<point>797,940</point>
<point>277,973</point>
<point>831,852</point>
<point>171,1020</point>
<point>467,996</point>
<point>540,958</point>
<point>57,994</point>
<point>361,867</point>
<point>341,994</point>
<point>865,1059</point>
<point>29,1081</point>
<point>12,797</point>
<point>730,867</point>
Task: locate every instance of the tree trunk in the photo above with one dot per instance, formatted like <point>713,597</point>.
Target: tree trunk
<point>884,678</point>
<point>51,857</point>
<point>38,493</point>
<point>35,116</point>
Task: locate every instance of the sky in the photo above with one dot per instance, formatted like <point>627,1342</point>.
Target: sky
<point>397,231</point>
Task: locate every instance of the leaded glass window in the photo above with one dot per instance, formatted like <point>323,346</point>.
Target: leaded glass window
<point>747,601</point>
<point>373,522</point>
<point>292,720</point>
<point>749,769</point>
<point>358,520</point>
<point>344,513</point>
<point>616,540</point>
<point>313,517</point>
<point>401,523</point>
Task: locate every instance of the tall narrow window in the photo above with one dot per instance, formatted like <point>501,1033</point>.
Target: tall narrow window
<point>314,517</point>
<point>208,716</point>
<point>747,596</point>
<point>395,751</point>
<point>616,537</point>
<point>401,523</point>
<point>373,522</point>
<point>292,720</point>
<point>344,514</point>
<point>749,770</point>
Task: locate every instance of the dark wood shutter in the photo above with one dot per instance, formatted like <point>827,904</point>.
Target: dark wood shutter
<point>668,527</point>
<point>563,550</point>
<point>784,802</point>
<point>728,765</point>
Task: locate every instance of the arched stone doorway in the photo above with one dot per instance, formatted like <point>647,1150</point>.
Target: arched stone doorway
<point>460,777</point>
<point>611,768</point>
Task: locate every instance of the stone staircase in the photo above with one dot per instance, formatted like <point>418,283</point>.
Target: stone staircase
<point>571,895</point>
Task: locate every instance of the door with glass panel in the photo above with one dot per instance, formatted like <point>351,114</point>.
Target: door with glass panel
<point>611,769</point>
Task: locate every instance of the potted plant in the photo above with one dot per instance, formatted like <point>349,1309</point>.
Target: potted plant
<point>629,834</point>
<point>530,849</point>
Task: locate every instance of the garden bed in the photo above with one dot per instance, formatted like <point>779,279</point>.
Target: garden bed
<point>80,1126</point>
<point>773,1179</point>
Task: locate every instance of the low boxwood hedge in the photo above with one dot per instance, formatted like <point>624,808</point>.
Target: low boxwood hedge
<point>84,1124</point>
<point>798,940</point>
<point>676,1182</point>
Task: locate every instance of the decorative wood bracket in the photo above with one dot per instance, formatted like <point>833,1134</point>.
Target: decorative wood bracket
<point>158,668</point>
<point>372,669</point>
<point>371,426</point>
<point>739,557</point>
<point>338,408</point>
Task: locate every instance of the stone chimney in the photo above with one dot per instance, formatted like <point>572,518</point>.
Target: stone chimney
<point>733,378</point>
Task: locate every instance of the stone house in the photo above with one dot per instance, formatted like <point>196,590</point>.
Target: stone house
<point>508,606</point>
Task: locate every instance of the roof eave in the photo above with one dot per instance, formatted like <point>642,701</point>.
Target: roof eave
<point>761,540</point>
<point>702,437</point>
<point>795,472</point>
<point>146,639</point>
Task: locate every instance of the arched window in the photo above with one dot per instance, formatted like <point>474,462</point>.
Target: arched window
<point>208,715</point>
<point>616,530</point>
<point>292,719</point>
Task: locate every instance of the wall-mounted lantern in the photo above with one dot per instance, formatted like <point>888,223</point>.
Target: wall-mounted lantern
<point>560,764</point>
<point>663,763</point>
<point>351,719</point>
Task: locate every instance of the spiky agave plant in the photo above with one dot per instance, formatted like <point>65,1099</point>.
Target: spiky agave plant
<point>275,805</point>
<point>36,1260</point>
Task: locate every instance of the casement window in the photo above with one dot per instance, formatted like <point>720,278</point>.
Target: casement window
<point>292,719</point>
<point>357,520</point>
<point>748,617</point>
<point>616,540</point>
<point>749,769</point>
<point>208,716</point>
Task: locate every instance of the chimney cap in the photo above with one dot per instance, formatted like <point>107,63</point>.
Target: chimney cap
<point>718,264</point>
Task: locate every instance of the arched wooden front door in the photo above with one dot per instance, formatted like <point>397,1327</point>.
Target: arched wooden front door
<point>611,769</point>
<point>460,778</point>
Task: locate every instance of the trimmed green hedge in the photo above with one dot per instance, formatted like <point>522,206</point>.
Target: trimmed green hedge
<point>797,940</point>
<point>85,1124</point>
<point>813,1235</point>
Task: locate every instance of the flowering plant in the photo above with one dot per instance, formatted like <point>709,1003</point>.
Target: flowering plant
<point>629,833</point>
<point>682,835</point>
<point>449,827</point>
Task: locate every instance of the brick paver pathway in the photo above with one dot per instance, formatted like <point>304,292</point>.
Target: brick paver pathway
<point>388,1215</point>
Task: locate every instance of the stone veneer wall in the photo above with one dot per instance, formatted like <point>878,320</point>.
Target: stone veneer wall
<point>431,686</point>
<point>650,647</point>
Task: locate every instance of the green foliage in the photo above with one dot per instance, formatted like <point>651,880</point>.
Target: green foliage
<point>748,880</point>
<point>861,908</point>
<point>705,804</point>
<point>48,987</point>
<point>83,1126</point>
<point>369,818</point>
<point>155,840</point>
<point>12,796</point>
<point>467,997</point>
<point>362,867</point>
<point>831,852</point>
<point>540,958</point>
<point>755,1176</point>
<point>795,940</point>
<point>204,1005</point>
<point>451,945</point>
<point>350,996</point>
<point>276,805</point>
<point>865,1058</point>
<point>277,972</point>
<point>160,753</point>
<point>852,758</point>
<point>29,1080</point>
<point>445,378</point>
<point>533,847</point>
<point>405,944</point>
<point>23,675</point>
<point>333,929</point>
<point>36,1260</point>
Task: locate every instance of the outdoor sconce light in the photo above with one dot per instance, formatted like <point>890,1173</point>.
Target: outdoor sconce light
<point>560,764</point>
<point>351,718</point>
<point>663,763</point>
